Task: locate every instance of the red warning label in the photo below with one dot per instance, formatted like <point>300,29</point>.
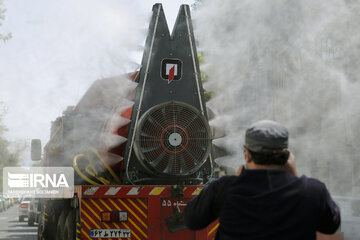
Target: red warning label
<point>171,69</point>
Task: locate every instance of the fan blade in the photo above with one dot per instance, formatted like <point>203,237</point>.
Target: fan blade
<point>170,164</point>
<point>154,122</point>
<point>177,111</point>
<point>143,134</point>
<point>149,149</point>
<point>191,156</point>
<point>191,121</point>
<point>182,163</point>
<point>155,162</point>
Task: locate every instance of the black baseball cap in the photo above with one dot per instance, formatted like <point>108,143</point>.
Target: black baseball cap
<point>266,136</point>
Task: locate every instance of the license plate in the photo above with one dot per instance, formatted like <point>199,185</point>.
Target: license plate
<point>110,233</point>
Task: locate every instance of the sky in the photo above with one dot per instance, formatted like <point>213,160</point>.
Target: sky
<point>59,48</point>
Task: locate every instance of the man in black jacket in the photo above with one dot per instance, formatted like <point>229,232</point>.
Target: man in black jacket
<point>267,200</point>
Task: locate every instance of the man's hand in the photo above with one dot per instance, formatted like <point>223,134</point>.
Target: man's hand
<point>290,164</point>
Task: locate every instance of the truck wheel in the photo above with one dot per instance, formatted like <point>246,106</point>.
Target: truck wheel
<point>31,220</point>
<point>60,224</point>
<point>40,228</point>
<point>48,220</point>
<point>69,230</point>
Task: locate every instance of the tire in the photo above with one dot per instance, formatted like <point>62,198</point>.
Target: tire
<point>21,218</point>
<point>31,220</point>
<point>70,226</point>
<point>60,224</point>
<point>40,228</point>
<point>48,219</point>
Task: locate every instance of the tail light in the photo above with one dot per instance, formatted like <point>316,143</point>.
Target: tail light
<point>114,216</point>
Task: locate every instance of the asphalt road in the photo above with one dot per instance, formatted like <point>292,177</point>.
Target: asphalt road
<point>11,228</point>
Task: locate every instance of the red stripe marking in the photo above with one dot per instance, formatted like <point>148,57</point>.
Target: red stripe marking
<point>96,219</point>
<point>85,219</point>
<point>135,211</point>
<point>171,74</point>
<point>144,192</point>
<point>130,215</point>
<point>113,208</point>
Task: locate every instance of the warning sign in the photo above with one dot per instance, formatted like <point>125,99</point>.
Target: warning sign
<point>171,69</point>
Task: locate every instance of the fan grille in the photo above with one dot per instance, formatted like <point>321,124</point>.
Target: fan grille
<point>173,138</point>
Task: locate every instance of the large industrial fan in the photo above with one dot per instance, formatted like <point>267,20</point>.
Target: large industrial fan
<point>172,138</point>
<point>169,138</point>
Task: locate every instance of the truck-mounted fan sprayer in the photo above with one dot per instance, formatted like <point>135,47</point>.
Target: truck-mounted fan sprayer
<point>137,161</point>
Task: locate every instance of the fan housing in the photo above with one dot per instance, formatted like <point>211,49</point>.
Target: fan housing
<point>172,138</point>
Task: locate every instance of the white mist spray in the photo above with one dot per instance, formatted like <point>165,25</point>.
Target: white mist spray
<point>295,62</point>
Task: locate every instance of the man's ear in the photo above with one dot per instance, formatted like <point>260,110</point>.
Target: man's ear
<point>247,156</point>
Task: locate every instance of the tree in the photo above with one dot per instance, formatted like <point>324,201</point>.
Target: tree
<point>2,17</point>
<point>10,152</point>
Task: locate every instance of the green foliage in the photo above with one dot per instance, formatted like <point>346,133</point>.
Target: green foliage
<point>2,17</point>
<point>200,59</point>
<point>207,95</point>
<point>204,78</point>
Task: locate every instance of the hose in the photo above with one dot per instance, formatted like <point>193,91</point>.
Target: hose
<point>91,169</point>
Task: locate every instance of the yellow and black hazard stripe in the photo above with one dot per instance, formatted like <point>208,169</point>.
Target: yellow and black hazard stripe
<point>135,207</point>
<point>45,215</point>
<point>78,231</point>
